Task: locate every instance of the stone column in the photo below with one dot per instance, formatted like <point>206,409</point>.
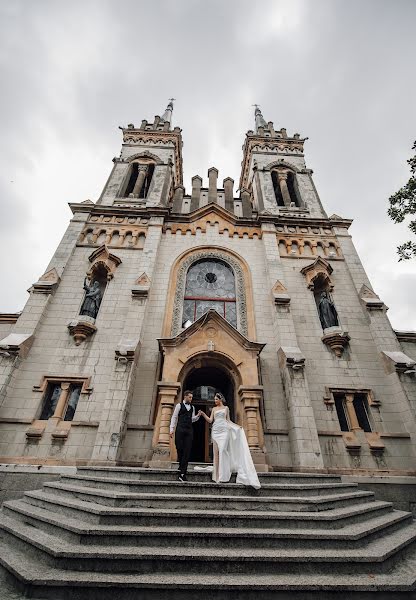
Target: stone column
<point>282,177</point>
<point>141,176</point>
<point>212,185</point>
<point>196,192</point>
<point>250,398</point>
<point>178,199</point>
<point>352,416</point>
<point>228,185</point>
<point>245,201</point>
<point>167,393</point>
<point>60,406</point>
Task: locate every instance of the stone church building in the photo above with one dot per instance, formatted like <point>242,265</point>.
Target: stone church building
<point>260,295</point>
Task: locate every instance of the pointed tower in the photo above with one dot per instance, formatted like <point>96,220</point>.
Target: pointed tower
<point>150,164</point>
<point>275,173</point>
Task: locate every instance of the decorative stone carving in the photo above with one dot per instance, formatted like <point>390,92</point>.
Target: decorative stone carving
<point>103,257</point>
<point>280,294</point>
<point>320,267</point>
<point>336,339</point>
<point>46,283</point>
<point>16,344</point>
<point>82,328</point>
<point>370,299</point>
<point>239,284</point>
<point>141,287</point>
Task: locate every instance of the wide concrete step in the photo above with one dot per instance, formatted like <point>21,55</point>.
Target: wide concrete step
<point>205,501</point>
<point>207,487</point>
<point>97,513</point>
<point>76,531</point>
<point>44,581</point>
<point>381,554</point>
<point>141,473</point>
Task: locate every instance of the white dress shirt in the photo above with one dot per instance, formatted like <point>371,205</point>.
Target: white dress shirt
<point>175,414</point>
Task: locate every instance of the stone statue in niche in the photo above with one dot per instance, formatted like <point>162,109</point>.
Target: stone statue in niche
<point>327,312</point>
<point>92,299</point>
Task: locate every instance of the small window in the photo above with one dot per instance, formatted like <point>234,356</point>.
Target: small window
<point>68,392</point>
<point>74,393</point>
<point>361,410</point>
<point>52,395</point>
<point>352,413</point>
<point>277,190</point>
<point>341,412</point>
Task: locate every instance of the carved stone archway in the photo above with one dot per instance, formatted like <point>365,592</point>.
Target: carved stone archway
<point>210,337</point>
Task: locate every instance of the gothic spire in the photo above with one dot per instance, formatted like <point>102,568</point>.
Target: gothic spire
<point>167,115</point>
<point>260,122</point>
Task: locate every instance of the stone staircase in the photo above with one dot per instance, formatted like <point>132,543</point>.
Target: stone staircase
<point>132,533</point>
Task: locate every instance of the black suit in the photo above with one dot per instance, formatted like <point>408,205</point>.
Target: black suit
<point>184,436</point>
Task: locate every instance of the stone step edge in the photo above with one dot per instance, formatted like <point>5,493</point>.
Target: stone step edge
<point>376,551</point>
<point>191,471</point>
<point>202,484</point>
<point>31,572</point>
<point>350,532</point>
<point>102,509</point>
<point>206,497</point>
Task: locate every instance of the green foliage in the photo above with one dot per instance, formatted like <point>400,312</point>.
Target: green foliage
<point>402,205</point>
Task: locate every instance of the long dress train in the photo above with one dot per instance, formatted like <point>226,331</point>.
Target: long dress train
<point>231,452</point>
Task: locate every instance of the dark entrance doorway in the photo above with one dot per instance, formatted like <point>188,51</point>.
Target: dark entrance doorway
<point>204,383</point>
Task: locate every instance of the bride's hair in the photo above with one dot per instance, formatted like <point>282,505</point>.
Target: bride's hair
<point>221,397</point>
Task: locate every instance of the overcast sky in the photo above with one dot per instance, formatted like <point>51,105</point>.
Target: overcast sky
<point>341,72</point>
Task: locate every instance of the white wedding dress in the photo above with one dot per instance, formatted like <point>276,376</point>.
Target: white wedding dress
<point>233,454</point>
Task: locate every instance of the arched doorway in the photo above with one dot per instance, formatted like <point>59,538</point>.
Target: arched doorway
<point>204,382</point>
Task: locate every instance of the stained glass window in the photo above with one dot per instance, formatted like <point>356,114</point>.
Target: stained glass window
<point>210,284</point>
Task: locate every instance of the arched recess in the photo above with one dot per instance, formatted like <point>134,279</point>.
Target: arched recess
<point>139,175</point>
<point>285,184</point>
<point>244,291</point>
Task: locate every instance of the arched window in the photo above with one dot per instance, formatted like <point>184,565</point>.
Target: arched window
<point>210,284</point>
<point>139,179</point>
<point>285,188</point>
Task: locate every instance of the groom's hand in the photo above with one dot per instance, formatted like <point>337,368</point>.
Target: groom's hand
<point>171,434</point>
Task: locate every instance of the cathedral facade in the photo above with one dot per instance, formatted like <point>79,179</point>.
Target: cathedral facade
<point>261,296</point>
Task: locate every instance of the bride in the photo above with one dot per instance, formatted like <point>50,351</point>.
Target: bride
<point>231,451</point>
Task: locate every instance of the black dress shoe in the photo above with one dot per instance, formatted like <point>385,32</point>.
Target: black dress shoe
<point>182,477</point>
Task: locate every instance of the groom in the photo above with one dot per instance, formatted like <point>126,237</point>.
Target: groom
<point>183,416</point>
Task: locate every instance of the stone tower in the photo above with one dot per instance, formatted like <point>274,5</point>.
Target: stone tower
<point>260,295</point>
